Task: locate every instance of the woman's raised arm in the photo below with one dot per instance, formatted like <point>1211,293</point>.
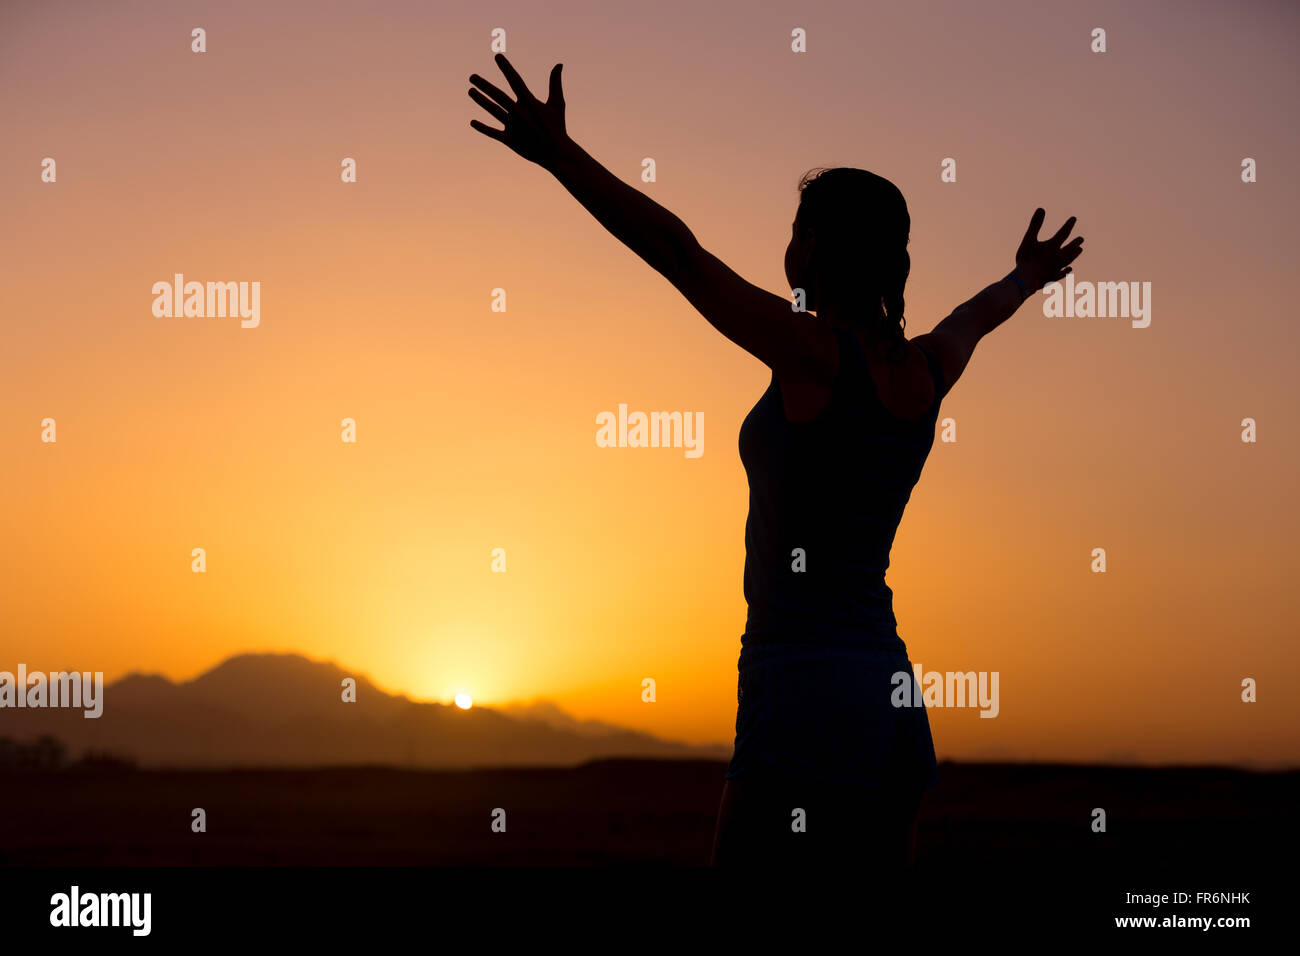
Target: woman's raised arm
<point>954,339</point>
<point>761,323</point>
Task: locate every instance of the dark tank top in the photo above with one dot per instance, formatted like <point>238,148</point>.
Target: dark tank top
<point>835,488</point>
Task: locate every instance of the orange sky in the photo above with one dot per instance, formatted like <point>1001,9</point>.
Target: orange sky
<point>476,428</point>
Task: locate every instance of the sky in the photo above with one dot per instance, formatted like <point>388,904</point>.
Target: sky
<point>476,428</point>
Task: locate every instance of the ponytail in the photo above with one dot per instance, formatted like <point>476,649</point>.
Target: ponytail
<point>895,324</point>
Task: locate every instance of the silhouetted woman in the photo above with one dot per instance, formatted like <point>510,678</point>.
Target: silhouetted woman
<point>826,766</point>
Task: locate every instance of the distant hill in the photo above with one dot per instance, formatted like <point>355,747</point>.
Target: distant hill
<point>284,710</point>
<point>546,712</point>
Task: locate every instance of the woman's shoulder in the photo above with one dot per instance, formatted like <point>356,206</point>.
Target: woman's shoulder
<point>901,382</point>
<point>904,383</point>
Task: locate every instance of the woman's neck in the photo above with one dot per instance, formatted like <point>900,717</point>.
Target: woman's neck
<point>868,336</point>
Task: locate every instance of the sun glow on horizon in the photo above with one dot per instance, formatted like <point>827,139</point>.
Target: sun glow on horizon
<point>464,701</point>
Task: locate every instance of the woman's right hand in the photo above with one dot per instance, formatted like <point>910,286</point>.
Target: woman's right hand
<point>533,129</point>
<point>1038,263</point>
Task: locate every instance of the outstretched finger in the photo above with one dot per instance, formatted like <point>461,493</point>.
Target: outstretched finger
<point>513,78</point>
<point>1064,231</point>
<point>1035,223</point>
<point>488,105</point>
<point>556,95</point>
<point>498,134</point>
<point>492,90</point>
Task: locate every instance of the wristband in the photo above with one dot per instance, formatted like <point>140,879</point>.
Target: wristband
<point>1016,279</point>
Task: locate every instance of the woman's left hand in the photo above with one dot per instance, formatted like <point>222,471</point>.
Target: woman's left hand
<point>1041,262</point>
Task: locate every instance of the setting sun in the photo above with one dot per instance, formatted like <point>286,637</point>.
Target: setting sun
<point>464,702</point>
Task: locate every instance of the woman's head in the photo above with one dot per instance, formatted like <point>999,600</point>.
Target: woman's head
<point>849,249</point>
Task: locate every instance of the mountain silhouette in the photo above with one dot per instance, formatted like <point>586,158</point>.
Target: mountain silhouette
<point>549,713</point>
<point>284,710</point>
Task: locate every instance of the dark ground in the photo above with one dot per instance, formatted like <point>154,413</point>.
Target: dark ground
<point>980,817</point>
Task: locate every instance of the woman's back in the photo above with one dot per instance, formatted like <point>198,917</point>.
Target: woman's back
<point>826,497</point>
